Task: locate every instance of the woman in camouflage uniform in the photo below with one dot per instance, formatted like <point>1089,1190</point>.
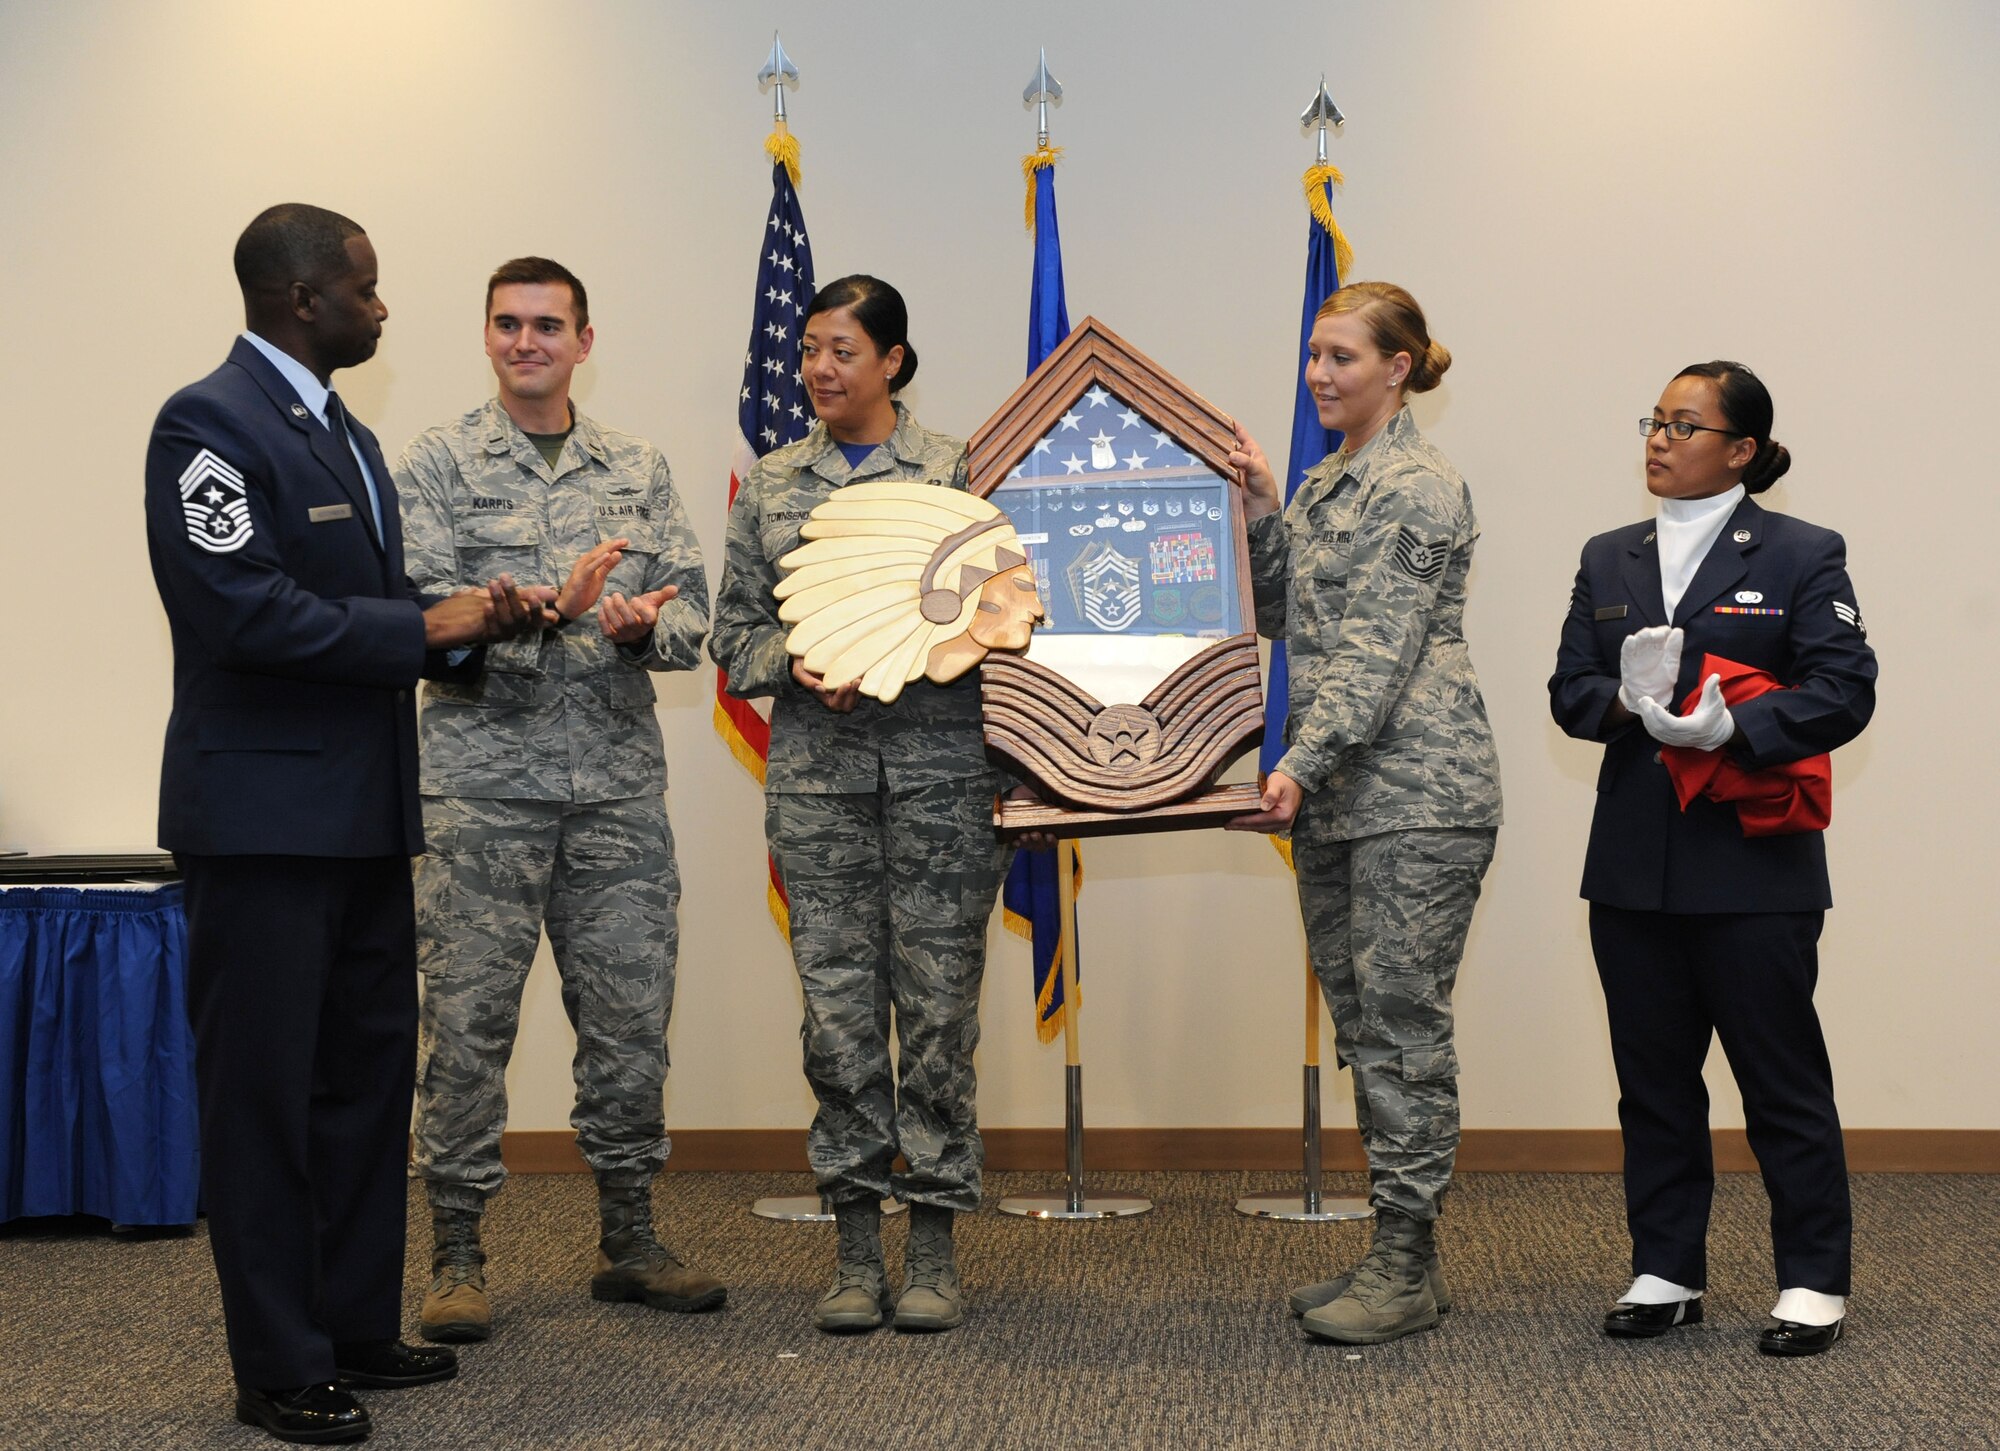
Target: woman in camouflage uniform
<point>879,818</point>
<point>1389,781</point>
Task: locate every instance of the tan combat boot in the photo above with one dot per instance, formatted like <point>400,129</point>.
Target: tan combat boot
<point>455,1309</point>
<point>1311,1297</point>
<point>859,1294</point>
<point>633,1265</point>
<point>1389,1295</point>
<point>931,1298</point>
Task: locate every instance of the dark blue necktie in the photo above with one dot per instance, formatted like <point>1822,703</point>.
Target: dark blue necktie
<point>336,421</point>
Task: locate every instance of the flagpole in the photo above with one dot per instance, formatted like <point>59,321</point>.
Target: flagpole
<point>1045,329</point>
<point>1310,1205</point>
<point>778,76</point>
<point>1072,1018</point>
<point>1074,1203</point>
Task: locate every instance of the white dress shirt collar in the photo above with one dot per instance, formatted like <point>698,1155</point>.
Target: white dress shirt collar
<point>311,391</point>
<point>1688,529</point>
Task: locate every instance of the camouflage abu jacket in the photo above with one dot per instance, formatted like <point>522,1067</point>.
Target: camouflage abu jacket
<point>564,715</point>
<point>931,733</point>
<point>1363,574</point>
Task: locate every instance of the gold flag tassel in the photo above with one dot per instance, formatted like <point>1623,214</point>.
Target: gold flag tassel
<point>783,149</point>
<point>1039,159</point>
<point>1318,176</point>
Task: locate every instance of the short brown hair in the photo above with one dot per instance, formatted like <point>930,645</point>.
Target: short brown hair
<point>1397,325</point>
<point>531,270</point>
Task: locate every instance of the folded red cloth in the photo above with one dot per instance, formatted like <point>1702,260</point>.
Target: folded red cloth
<point>1773,801</point>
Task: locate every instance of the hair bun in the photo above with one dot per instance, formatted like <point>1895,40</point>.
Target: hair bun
<point>1426,374</point>
<point>1770,464</point>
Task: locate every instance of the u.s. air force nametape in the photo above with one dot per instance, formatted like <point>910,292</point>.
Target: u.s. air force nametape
<point>327,513</point>
<point>1609,612</point>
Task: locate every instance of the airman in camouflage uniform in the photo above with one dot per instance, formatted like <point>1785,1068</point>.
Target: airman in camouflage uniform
<point>542,780</point>
<point>880,821</point>
<point>1363,575</point>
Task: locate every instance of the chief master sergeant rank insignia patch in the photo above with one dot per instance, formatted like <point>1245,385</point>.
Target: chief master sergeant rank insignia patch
<point>214,504</point>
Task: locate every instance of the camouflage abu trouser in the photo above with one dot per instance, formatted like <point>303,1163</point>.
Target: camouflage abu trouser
<point>1386,918</point>
<point>602,877</point>
<point>890,893</point>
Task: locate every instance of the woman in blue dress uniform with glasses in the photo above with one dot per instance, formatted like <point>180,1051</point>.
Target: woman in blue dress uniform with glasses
<point>1700,931</point>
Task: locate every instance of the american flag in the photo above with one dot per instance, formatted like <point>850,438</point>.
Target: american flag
<point>771,411</point>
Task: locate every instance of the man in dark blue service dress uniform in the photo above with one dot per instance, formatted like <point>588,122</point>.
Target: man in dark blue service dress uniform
<point>288,793</point>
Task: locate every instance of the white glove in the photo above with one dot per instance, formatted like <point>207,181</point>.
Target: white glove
<point>1708,727</point>
<point>1649,663</point>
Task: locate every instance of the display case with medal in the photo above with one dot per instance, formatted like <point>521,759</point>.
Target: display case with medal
<point>1141,686</point>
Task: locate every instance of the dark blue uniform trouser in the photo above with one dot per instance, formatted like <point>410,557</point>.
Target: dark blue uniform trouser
<point>1671,982</point>
<point>302,990</point>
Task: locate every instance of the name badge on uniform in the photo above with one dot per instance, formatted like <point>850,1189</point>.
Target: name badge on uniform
<point>1610,612</point>
<point>327,513</point>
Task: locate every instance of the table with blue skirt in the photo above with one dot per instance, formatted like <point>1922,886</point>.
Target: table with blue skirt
<point>97,1091</point>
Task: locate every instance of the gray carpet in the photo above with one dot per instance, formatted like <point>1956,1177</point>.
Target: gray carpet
<point>1168,1330</point>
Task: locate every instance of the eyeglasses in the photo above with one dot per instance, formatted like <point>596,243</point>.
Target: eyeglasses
<point>1680,430</point>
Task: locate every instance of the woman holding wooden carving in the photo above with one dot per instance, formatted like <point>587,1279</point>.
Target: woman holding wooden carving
<point>879,818</point>
<point>1389,782</point>
<point>1706,870</point>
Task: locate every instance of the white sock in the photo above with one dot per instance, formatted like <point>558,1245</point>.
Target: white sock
<point>1809,1307</point>
<point>1652,1290</point>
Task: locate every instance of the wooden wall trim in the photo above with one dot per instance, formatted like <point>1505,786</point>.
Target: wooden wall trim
<point>1546,1151</point>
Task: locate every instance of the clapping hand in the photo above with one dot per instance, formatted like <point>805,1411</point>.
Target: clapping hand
<point>1649,664</point>
<point>476,616</point>
<point>630,622</point>
<point>1709,726</point>
<point>586,578</point>
<point>517,610</point>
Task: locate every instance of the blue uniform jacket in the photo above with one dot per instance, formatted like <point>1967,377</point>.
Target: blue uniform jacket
<point>1645,854</point>
<point>297,637</point>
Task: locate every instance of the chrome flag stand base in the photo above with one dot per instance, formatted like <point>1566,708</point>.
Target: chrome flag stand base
<point>1310,1206</point>
<point>1074,1204</point>
<point>808,1208</point>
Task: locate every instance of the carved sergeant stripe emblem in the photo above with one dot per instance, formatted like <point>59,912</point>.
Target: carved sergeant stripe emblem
<point>214,505</point>
<point>1420,561</point>
<point>1848,615</point>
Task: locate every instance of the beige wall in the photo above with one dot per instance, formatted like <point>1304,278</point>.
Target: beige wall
<point>1584,194</point>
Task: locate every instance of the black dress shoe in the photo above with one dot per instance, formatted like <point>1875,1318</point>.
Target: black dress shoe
<point>1788,1337</point>
<point>1643,1322</point>
<point>317,1415</point>
<point>387,1365</point>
